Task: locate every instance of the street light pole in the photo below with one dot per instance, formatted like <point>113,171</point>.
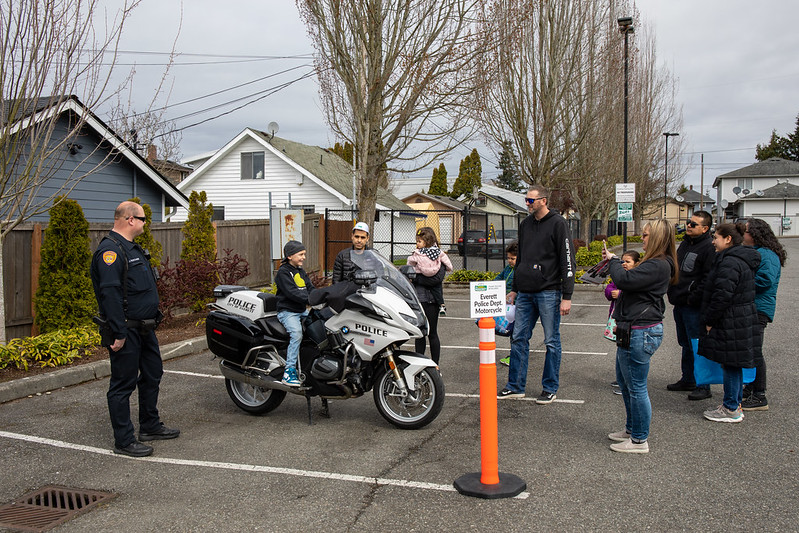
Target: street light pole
<point>666,173</point>
<point>625,27</point>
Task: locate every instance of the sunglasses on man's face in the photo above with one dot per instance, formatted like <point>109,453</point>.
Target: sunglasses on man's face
<point>143,219</point>
<point>532,200</point>
<point>693,224</point>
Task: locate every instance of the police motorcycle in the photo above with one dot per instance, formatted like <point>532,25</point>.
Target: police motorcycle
<point>352,343</point>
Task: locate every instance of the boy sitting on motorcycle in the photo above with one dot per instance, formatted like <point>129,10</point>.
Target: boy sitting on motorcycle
<point>293,288</point>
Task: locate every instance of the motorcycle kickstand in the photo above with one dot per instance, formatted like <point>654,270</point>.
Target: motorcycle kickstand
<point>325,408</point>
<point>310,411</point>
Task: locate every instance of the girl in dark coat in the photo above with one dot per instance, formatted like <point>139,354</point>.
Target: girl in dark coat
<point>729,316</point>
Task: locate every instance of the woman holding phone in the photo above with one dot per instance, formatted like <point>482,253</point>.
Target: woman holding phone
<point>639,311</point>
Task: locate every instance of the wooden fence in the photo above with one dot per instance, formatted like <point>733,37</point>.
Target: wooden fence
<point>248,238</point>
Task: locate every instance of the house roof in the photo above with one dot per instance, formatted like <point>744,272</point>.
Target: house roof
<point>318,164</point>
<point>771,167</point>
<point>39,109</point>
<point>446,200</point>
<point>509,198</point>
<point>779,191</point>
<point>693,197</point>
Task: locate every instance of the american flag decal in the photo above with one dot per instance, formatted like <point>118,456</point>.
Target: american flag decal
<point>369,342</point>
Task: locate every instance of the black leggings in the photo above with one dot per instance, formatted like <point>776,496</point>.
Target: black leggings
<point>759,385</point>
<point>431,310</point>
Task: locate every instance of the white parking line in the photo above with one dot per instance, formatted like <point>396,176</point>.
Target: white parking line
<point>243,467</point>
<point>562,323</point>
<point>195,374</point>
<point>525,399</point>
<point>573,303</point>
<point>534,351</point>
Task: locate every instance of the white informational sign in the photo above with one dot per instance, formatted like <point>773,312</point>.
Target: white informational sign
<point>624,212</point>
<point>625,193</point>
<point>487,298</point>
<point>285,226</point>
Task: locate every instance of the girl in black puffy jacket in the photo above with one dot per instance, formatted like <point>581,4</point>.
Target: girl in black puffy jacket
<point>729,317</point>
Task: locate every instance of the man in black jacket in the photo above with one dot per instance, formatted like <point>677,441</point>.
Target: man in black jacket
<point>343,267</point>
<point>543,283</point>
<point>695,256</point>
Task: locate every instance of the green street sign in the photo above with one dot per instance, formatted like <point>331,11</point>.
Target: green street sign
<point>624,212</point>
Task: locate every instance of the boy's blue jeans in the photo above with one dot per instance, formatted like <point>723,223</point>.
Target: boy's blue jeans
<point>293,323</point>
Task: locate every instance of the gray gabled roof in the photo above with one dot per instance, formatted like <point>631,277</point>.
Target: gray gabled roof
<point>779,191</point>
<point>446,200</point>
<point>771,167</point>
<point>693,197</point>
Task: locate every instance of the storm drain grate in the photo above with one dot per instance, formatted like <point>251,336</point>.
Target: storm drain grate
<point>48,507</point>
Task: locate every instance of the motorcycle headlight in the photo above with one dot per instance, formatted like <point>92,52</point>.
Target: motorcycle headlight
<point>380,312</point>
<point>411,319</point>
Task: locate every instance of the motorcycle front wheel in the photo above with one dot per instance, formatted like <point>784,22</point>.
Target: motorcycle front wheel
<point>254,400</point>
<point>420,407</point>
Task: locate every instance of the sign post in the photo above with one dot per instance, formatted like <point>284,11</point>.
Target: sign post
<point>487,301</point>
<point>625,196</point>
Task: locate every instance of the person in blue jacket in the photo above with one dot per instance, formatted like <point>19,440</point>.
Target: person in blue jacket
<point>767,279</point>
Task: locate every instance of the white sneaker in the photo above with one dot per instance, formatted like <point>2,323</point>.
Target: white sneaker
<point>619,436</point>
<point>628,446</point>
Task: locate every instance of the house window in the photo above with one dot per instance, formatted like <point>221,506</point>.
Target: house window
<point>219,213</point>
<point>252,165</point>
<point>745,183</point>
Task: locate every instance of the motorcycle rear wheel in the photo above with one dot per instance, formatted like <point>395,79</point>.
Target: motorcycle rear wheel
<point>419,408</point>
<point>254,400</point>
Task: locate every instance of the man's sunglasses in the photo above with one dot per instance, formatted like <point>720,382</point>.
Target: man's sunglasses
<point>532,200</point>
<point>143,219</point>
<point>693,224</point>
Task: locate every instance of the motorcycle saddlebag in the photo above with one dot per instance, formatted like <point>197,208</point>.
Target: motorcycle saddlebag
<point>231,337</point>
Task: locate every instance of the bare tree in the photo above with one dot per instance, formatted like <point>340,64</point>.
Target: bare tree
<point>50,50</point>
<point>536,71</point>
<point>392,80</point>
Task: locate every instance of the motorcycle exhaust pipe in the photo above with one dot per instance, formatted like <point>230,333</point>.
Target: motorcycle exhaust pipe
<point>236,373</point>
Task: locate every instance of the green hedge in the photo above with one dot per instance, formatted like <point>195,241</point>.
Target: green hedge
<point>56,348</point>
<point>465,276</point>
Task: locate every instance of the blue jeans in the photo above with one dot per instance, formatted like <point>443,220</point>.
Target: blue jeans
<point>688,327</point>
<point>632,369</point>
<point>530,306</point>
<point>293,323</point>
<point>733,386</point>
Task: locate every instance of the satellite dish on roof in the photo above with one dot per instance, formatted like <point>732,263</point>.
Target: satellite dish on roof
<point>759,192</point>
<point>724,204</point>
<point>745,191</point>
<point>273,128</point>
<point>679,198</point>
<point>736,190</point>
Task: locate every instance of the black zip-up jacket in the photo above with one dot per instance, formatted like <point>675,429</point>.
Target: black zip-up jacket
<point>293,288</point>
<point>343,267</point>
<point>545,260</point>
<point>695,257</point>
<point>642,289</point>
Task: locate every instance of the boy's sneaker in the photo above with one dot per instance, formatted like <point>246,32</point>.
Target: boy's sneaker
<point>505,361</point>
<point>545,398</point>
<point>290,377</point>
<point>755,402</point>
<point>722,414</point>
<point>507,393</point>
<point>619,436</point>
<point>442,310</point>
<point>628,446</point>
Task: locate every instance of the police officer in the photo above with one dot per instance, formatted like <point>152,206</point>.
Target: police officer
<point>124,285</point>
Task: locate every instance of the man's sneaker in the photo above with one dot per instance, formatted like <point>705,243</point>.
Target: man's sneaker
<point>680,386</point>
<point>505,361</point>
<point>755,402</point>
<point>160,433</point>
<point>545,398</point>
<point>290,377</point>
<point>619,436</point>
<point>507,393</point>
<point>700,393</point>
<point>628,446</point>
<point>617,391</point>
<point>722,414</point>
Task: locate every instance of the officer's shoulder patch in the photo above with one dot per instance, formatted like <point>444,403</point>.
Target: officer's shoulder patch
<point>109,257</point>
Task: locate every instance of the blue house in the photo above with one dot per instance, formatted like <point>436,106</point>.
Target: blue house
<point>93,166</point>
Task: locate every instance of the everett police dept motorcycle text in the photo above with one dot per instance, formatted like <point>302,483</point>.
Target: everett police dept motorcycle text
<point>351,344</point>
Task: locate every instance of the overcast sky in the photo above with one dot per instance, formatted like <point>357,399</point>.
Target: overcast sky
<point>736,62</point>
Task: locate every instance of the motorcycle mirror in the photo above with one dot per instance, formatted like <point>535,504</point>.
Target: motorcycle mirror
<point>364,277</point>
<point>408,271</point>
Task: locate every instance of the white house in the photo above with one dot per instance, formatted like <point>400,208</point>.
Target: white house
<point>239,178</point>
<point>768,189</point>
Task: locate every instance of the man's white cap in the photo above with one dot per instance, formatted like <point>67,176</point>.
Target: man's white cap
<point>363,226</point>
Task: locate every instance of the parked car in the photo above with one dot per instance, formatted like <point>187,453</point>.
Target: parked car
<point>472,242</point>
<point>503,240</point>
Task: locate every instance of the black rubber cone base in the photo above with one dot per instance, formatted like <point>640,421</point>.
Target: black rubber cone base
<point>508,486</point>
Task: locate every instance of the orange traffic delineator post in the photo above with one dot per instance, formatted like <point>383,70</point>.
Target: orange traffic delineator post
<point>490,483</point>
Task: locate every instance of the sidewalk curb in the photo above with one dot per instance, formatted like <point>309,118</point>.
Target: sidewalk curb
<point>66,377</point>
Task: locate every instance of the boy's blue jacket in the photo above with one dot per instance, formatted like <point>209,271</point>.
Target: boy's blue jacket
<point>507,275</point>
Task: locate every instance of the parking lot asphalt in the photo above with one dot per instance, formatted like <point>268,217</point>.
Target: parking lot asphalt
<point>229,471</point>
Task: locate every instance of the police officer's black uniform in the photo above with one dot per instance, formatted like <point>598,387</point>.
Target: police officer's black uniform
<point>139,359</point>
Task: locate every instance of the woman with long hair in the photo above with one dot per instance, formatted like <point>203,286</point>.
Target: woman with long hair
<point>728,315</point>
<point>639,311</point>
<point>767,279</point>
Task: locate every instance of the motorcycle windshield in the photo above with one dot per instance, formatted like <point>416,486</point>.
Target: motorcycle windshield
<point>387,274</point>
